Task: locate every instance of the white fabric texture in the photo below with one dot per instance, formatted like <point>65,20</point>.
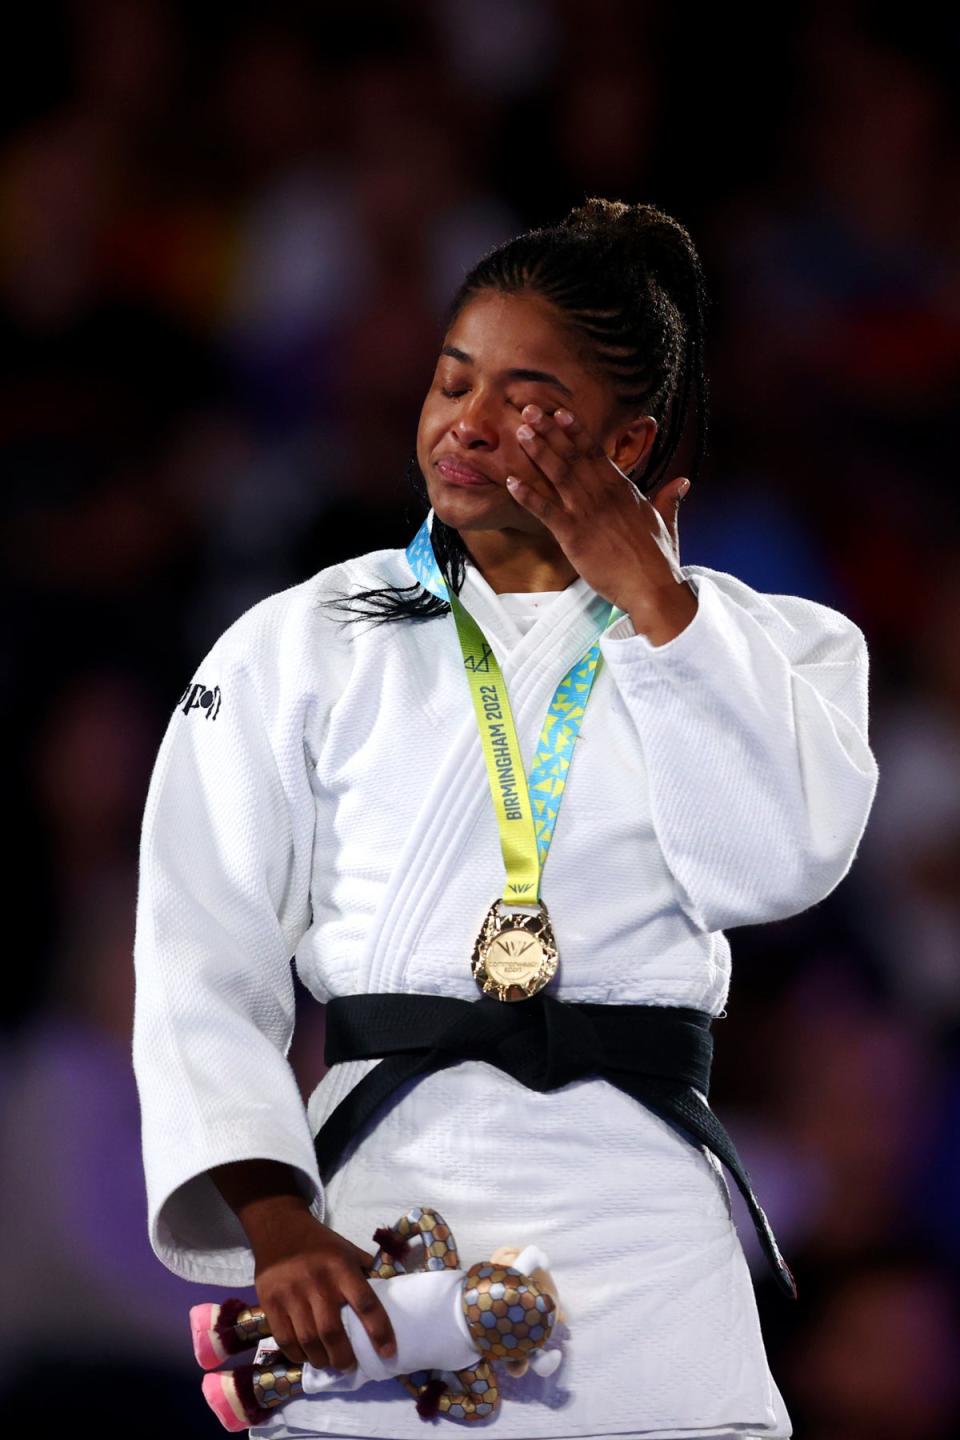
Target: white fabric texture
<point>330,802</point>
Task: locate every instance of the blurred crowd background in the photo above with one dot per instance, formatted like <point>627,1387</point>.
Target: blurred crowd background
<point>227,235</point>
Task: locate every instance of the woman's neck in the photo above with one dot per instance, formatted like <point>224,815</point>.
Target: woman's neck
<point>511,564</point>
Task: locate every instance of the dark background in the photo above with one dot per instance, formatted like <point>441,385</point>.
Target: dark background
<point>227,235</point>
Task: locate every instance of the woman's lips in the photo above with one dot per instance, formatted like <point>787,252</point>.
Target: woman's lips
<point>457,474</point>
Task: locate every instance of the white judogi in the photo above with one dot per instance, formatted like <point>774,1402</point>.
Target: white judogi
<point>321,792</point>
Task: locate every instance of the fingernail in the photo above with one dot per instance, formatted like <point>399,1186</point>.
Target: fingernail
<point>524,432</point>
<point>533,412</point>
<point>563,417</point>
<point>682,489</point>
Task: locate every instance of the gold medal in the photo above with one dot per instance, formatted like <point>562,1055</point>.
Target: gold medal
<point>515,954</point>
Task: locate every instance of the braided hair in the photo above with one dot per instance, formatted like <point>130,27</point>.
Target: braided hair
<point>628,283</point>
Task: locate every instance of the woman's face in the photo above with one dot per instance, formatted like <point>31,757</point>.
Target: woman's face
<point>501,353</point>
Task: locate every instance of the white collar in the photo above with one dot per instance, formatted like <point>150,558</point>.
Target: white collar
<point>572,618</point>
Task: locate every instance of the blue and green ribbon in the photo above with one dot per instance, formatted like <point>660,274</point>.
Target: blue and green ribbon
<point>526,809</point>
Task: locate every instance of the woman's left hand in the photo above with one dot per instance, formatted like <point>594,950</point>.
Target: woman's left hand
<point>625,546</point>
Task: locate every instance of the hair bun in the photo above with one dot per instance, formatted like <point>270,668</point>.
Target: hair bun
<point>645,226</point>
<point>597,215</point>
<point>657,242</point>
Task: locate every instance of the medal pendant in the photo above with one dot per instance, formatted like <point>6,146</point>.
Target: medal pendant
<point>515,954</point>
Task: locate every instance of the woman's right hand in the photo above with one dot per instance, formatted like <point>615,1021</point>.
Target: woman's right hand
<point>304,1273</point>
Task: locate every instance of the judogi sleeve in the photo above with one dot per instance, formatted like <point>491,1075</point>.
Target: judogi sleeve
<point>753,723</point>
<point>223,900</point>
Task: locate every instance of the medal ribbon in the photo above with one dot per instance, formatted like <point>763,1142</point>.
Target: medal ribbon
<point>526,811</point>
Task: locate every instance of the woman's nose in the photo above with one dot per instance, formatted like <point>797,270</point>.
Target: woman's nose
<point>475,421</point>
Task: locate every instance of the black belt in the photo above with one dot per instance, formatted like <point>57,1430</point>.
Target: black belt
<point>659,1054</point>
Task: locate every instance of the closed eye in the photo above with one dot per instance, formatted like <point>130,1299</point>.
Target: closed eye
<point>517,404</point>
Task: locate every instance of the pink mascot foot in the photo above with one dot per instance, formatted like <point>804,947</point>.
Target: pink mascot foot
<point>207,1345</point>
<point>223,1396</point>
<point>241,1397</point>
<point>227,1329</point>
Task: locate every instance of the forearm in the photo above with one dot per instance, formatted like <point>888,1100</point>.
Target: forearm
<point>263,1194</point>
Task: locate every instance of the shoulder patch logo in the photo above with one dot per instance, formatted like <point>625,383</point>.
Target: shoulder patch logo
<point>198,696</point>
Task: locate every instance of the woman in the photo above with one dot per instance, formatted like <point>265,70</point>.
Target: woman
<point>321,792</point>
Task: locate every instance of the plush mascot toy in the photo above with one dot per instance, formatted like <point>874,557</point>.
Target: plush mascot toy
<point>450,1325</point>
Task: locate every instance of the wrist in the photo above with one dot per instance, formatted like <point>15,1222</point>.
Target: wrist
<point>275,1227</point>
<point>661,615</point>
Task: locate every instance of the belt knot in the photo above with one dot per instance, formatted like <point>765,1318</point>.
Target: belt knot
<point>541,1041</point>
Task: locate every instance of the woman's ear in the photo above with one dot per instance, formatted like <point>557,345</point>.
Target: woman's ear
<point>631,443</point>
